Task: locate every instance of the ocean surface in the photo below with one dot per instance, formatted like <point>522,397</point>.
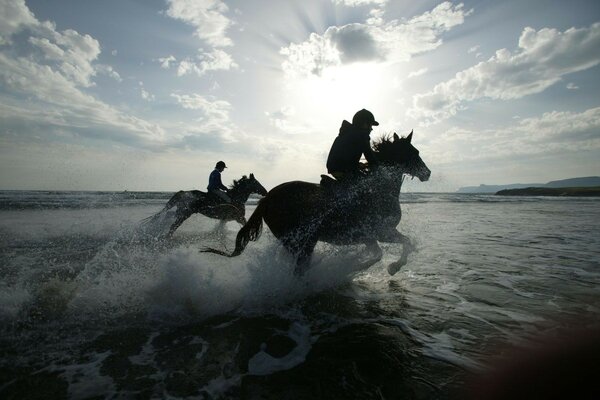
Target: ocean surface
<point>95,303</point>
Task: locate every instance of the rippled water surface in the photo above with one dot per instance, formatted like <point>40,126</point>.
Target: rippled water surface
<point>95,304</point>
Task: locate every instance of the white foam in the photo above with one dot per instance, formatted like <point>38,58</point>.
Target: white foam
<point>262,363</point>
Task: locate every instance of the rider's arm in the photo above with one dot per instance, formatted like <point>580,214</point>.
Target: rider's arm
<point>220,184</point>
<point>368,152</point>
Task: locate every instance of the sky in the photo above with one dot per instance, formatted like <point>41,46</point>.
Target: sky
<point>150,94</point>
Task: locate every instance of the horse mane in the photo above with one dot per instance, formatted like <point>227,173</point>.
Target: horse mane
<point>382,146</point>
<point>382,142</point>
<point>236,182</point>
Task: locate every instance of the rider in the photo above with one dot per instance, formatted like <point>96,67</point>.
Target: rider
<point>352,142</point>
<point>215,186</point>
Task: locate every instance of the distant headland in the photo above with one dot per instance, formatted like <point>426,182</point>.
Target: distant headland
<point>573,183</point>
<point>546,191</point>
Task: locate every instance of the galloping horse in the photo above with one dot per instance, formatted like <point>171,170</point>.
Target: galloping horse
<point>194,201</point>
<point>366,211</point>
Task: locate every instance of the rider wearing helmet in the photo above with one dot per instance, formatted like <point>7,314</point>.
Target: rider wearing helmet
<point>352,142</point>
<point>215,186</point>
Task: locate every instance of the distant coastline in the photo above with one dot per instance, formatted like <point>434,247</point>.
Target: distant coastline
<point>545,191</point>
<point>583,182</point>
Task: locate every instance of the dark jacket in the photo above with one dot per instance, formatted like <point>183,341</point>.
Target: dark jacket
<point>347,149</point>
<point>214,181</point>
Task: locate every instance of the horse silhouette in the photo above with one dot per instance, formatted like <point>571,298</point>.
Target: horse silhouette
<point>367,210</point>
<point>195,201</point>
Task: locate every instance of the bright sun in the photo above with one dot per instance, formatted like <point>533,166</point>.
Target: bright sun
<point>339,91</point>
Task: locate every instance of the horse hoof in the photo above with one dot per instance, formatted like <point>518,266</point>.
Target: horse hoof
<point>395,267</point>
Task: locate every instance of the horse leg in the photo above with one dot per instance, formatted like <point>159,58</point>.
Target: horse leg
<point>180,218</point>
<point>407,247</point>
<point>304,254</point>
<point>372,247</point>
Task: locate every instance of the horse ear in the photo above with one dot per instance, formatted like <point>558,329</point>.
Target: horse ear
<point>251,176</point>
<point>409,137</point>
<point>396,137</point>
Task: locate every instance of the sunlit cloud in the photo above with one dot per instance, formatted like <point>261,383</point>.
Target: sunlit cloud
<point>543,58</point>
<point>211,24</point>
<point>212,61</point>
<point>213,109</point>
<point>419,72</point>
<point>393,41</point>
<point>356,3</point>
<point>206,16</point>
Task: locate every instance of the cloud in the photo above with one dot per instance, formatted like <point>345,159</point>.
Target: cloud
<point>215,111</point>
<point>212,61</point>
<point>473,49</point>
<point>393,41</point>
<point>281,119</point>
<point>44,72</point>
<point>14,15</point>
<point>206,16</point>
<point>542,59</point>
<point>165,62</point>
<point>145,94</point>
<point>556,132</point>
<point>108,71</point>
<point>356,3</point>
<point>419,72</point>
<point>211,25</point>
<point>572,86</point>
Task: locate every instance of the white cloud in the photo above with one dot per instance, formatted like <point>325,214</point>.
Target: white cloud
<point>542,59</point>
<point>419,72</point>
<point>145,94</point>
<point>51,70</point>
<point>14,15</point>
<point>356,3</point>
<point>212,61</point>
<point>554,132</point>
<point>165,62</point>
<point>572,86</point>
<point>281,119</point>
<point>108,71</point>
<point>214,110</point>
<point>206,16</point>
<point>393,41</point>
<point>473,49</point>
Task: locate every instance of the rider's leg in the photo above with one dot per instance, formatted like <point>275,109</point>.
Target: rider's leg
<point>222,195</point>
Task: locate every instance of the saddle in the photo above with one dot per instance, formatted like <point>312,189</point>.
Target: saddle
<point>328,182</point>
<point>214,200</point>
<point>334,188</point>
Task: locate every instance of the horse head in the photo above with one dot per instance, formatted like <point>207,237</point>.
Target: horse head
<point>251,185</point>
<point>400,152</point>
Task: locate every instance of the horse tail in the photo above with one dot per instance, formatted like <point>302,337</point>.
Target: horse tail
<point>250,231</point>
<point>173,200</point>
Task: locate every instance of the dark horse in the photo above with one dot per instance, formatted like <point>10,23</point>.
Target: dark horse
<point>194,201</point>
<point>365,211</point>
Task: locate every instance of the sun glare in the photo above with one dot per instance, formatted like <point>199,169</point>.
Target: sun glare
<point>339,91</point>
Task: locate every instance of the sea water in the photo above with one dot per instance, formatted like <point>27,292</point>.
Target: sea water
<point>96,302</point>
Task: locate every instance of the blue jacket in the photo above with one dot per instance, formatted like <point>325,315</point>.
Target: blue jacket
<point>214,181</point>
